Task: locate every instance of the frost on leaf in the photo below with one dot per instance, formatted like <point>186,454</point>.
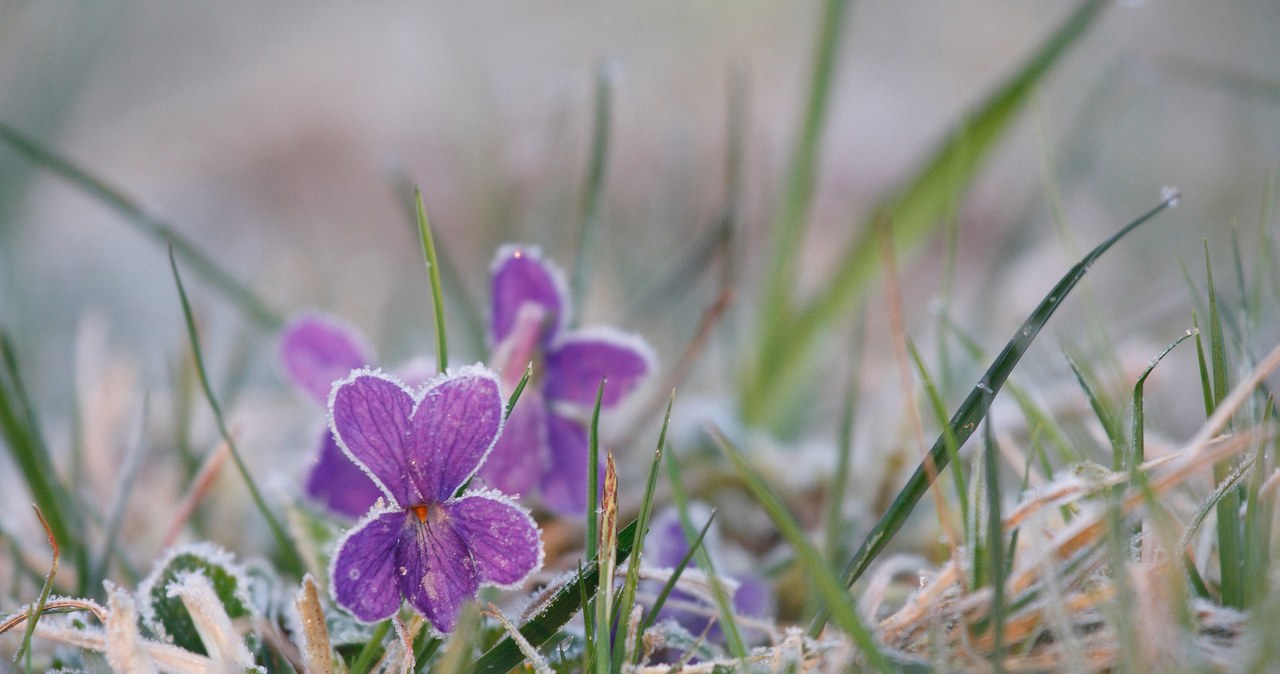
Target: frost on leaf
<point>163,612</point>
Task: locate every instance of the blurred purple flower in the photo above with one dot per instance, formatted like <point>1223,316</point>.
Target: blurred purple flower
<point>424,543</point>
<point>317,351</point>
<point>545,444</point>
<point>666,545</point>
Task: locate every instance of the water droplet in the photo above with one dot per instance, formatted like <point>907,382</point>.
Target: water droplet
<point>354,574</point>
<point>404,571</point>
<point>1171,195</point>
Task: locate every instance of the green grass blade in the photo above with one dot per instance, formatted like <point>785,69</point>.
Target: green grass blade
<point>21,433</point>
<point>839,603</point>
<point>151,226</point>
<point>724,603</point>
<point>292,563</point>
<point>674,579</point>
<point>593,474</point>
<point>948,435</point>
<point>593,191</point>
<point>911,213</point>
<point>1101,410</point>
<point>33,616</point>
<point>372,648</point>
<point>433,272</point>
<point>1230,545</point>
<point>515,395</point>
<point>792,218</point>
<point>995,536</point>
<point>559,609</point>
<point>632,581</point>
<point>1136,431</point>
<point>972,410</point>
<point>834,536</point>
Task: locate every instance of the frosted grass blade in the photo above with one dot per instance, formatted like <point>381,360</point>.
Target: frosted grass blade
<point>972,410</point>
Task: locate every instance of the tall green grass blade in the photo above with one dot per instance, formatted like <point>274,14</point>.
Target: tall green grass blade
<point>972,411</point>
<point>1136,430</point>
<point>792,217</point>
<point>995,537</point>
<point>1101,410</point>
<point>948,435</point>
<point>433,272</point>
<point>559,609</point>
<point>1259,514</point>
<point>834,537</point>
<point>593,191</point>
<point>694,545</point>
<point>837,597</point>
<point>1230,557</point>
<point>728,619</point>
<point>593,475</point>
<point>21,433</point>
<point>632,581</point>
<point>149,225</point>
<point>607,557</point>
<point>911,214</point>
<point>292,563</point>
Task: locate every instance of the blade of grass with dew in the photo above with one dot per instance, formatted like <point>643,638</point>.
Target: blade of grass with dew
<point>593,190</point>
<point>948,435</point>
<point>724,603</point>
<point>292,563</point>
<point>433,273</point>
<point>33,615</point>
<point>1230,558</point>
<point>838,600</point>
<point>792,218</point>
<point>911,213</point>
<point>674,578</point>
<point>632,581</point>
<point>159,231</point>
<point>559,609</point>
<point>995,536</point>
<point>593,473</point>
<point>1101,410</point>
<point>971,411</point>
<point>21,432</point>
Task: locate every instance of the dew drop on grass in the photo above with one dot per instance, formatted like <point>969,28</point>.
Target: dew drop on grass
<point>1170,194</point>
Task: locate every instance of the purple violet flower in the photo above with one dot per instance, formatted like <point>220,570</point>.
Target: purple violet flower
<point>425,543</point>
<point>317,351</point>
<point>545,444</point>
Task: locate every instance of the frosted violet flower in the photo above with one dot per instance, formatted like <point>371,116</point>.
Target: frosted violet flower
<point>667,545</point>
<point>545,443</point>
<point>424,543</point>
<point>317,351</point>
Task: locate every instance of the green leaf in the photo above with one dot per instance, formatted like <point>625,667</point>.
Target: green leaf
<point>973,410</point>
<point>166,616</point>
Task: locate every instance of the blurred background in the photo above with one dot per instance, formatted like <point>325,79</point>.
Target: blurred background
<point>279,138</point>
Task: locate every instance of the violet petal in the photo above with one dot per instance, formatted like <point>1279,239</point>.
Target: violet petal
<point>370,419</point>
<point>501,537</point>
<point>564,484</point>
<point>436,572</point>
<point>454,427</point>
<point>363,578</point>
<point>576,364</point>
<point>518,458</point>
<point>521,275</point>
<point>318,351</point>
<point>338,483</point>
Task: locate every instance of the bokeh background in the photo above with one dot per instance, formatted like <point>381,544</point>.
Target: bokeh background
<point>278,138</point>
